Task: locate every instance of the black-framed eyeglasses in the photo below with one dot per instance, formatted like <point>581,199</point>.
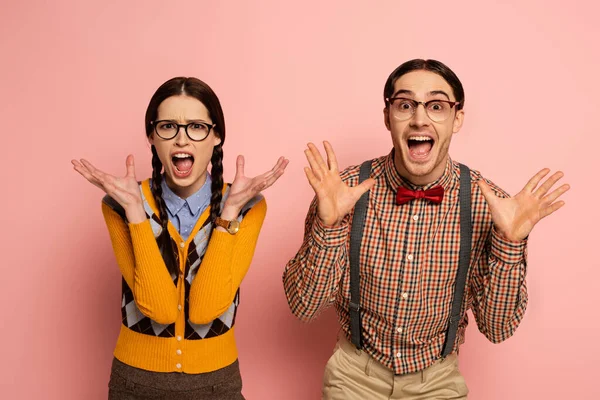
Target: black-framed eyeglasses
<point>402,108</point>
<point>197,131</point>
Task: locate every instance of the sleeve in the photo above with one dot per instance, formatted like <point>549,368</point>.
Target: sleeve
<point>312,277</point>
<point>142,267</point>
<point>225,263</point>
<point>499,287</point>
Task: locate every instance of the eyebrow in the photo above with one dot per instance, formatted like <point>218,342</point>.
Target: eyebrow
<point>411,93</point>
<point>186,121</point>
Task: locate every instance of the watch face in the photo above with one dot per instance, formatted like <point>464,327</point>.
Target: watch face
<point>234,226</point>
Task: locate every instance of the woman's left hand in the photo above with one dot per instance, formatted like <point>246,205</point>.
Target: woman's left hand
<point>244,188</point>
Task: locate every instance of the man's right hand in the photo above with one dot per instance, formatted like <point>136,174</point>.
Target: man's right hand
<point>335,199</point>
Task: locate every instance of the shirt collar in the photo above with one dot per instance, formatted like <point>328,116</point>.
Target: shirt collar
<point>395,180</point>
<point>196,202</point>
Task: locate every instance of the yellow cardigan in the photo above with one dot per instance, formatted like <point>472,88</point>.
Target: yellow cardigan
<point>161,298</point>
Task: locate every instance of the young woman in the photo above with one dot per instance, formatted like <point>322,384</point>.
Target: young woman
<point>183,241</point>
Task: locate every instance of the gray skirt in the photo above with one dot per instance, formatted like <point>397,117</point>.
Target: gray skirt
<point>130,383</point>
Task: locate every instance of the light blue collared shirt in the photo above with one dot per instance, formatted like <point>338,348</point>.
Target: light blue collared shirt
<point>184,213</point>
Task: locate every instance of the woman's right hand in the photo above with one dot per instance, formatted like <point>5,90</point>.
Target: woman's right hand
<point>125,190</point>
<point>335,198</point>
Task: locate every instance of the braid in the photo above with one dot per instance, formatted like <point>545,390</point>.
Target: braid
<point>217,182</point>
<point>164,240</point>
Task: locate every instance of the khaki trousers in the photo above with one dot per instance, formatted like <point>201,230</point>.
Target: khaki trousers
<point>352,374</point>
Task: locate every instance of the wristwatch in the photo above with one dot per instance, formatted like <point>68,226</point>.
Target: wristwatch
<point>231,226</point>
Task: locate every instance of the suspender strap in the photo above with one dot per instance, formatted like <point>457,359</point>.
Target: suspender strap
<point>466,231</point>
<point>358,223</point>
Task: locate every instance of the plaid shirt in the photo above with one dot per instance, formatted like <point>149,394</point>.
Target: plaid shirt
<point>408,266</point>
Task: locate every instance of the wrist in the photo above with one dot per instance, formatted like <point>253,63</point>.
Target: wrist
<point>135,214</point>
<point>330,223</point>
<point>230,212</point>
<point>507,236</point>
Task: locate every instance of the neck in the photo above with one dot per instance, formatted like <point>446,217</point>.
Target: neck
<point>186,191</point>
<point>420,179</point>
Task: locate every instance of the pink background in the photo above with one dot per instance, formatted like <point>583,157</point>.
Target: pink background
<point>75,79</point>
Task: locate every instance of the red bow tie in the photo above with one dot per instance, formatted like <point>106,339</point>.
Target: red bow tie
<point>404,195</point>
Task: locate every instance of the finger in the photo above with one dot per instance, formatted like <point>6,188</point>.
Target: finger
<point>96,173</point>
<point>550,198</point>
<point>543,189</point>
<point>83,172</point>
<point>486,190</point>
<point>314,165</point>
<point>364,186</point>
<point>551,208</point>
<point>312,179</point>
<point>284,163</point>
<point>280,162</point>
<point>273,170</point>
<point>278,169</point>
<point>129,163</point>
<point>318,157</point>
<point>533,182</point>
<point>272,179</point>
<point>77,166</point>
<point>239,166</point>
<point>88,165</point>
<point>331,158</point>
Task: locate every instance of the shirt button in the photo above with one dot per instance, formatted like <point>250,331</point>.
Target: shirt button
<point>181,276</point>
<point>182,245</point>
<point>405,295</point>
<point>178,366</point>
<point>398,355</point>
<point>399,330</point>
<point>179,307</point>
<point>409,257</point>
<point>415,217</point>
<point>178,352</point>
<point>179,338</point>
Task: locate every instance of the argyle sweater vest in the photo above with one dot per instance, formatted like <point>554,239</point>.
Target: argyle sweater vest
<point>180,345</point>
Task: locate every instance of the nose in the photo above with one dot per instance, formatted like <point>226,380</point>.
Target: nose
<point>181,138</point>
<point>420,118</point>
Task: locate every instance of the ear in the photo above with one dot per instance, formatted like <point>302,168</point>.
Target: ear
<point>458,121</point>
<point>217,141</point>
<point>386,118</point>
<point>151,139</point>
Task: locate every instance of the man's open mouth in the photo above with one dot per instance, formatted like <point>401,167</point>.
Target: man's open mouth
<point>419,146</point>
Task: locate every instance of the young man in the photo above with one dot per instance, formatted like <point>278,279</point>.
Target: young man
<point>404,315</point>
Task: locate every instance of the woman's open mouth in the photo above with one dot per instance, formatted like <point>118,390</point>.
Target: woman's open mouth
<point>182,164</point>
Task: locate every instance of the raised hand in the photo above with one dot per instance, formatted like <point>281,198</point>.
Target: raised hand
<point>124,190</point>
<point>335,198</point>
<point>244,188</point>
<point>515,217</point>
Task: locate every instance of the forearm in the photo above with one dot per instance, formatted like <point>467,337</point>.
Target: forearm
<point>225,263</point>
<point>312,277</point>
<point>501,296</point>
<point>142,267</point>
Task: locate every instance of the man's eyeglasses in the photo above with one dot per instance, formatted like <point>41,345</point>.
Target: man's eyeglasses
<point>437,110</point>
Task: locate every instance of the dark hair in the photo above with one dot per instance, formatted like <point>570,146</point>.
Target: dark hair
<point>193,87</point>
<point>426,65</point>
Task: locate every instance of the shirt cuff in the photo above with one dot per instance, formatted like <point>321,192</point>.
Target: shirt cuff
<point>507,251</point>
<point>327,236</point>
